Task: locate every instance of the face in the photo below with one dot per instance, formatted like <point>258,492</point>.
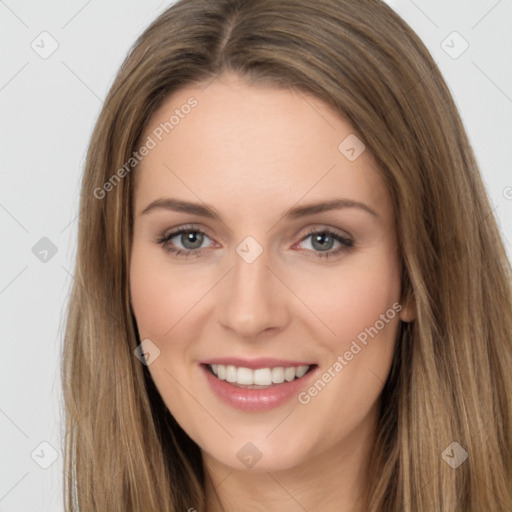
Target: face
<point>272,321</point>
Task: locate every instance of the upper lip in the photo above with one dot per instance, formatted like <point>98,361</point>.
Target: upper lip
<point>260,362</point>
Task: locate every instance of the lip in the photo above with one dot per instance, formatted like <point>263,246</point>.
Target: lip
<point>254,364</point>
<point>256,400</point>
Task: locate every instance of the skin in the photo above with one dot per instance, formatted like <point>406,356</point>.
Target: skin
<point>252,152</point>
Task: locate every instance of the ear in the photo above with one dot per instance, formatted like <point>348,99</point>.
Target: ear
<point>408,311</point>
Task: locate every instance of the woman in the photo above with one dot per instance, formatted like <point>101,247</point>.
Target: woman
<point>218,355</point>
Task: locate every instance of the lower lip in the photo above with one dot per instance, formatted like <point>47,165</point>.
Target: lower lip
<point>248,399</point>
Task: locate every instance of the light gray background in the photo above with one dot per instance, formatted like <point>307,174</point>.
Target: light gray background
<point>48,110</point>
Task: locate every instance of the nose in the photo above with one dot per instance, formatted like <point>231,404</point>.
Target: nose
<point>252,299</point>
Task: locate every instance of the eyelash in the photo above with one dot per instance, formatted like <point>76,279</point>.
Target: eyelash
<point>346,243</point>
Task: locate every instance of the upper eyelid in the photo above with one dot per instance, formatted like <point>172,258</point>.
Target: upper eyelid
<point>171,233</point>
<point>316,227</point>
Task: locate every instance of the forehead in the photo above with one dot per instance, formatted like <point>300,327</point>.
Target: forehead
<point>252,144</point>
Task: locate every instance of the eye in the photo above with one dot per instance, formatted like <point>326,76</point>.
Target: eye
<point>190,238</point>
<point>322,242</point>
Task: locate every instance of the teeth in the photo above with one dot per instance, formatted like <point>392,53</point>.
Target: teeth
<point>230,373</point>
<point>262,377</point>
<point>259,377</point>
<point>289,373</point>
<point>278,375</point>
<point>301,371</point>
<point>244,376</point>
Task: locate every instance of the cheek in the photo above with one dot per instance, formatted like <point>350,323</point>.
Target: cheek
<point>362,308</point>
<point>150,299</point>
<point>353,299</point>
<point>160,296</point>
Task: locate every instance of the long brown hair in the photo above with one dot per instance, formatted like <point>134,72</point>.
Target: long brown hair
<point>451,378</point>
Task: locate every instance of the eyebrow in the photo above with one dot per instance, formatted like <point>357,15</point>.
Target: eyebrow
<point>207,211</point>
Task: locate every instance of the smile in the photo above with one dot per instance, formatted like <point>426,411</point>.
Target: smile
<point>268,384</point>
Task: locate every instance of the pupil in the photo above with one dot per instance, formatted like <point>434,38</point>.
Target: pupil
<point>322,237</point>
<point>193,237</point>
